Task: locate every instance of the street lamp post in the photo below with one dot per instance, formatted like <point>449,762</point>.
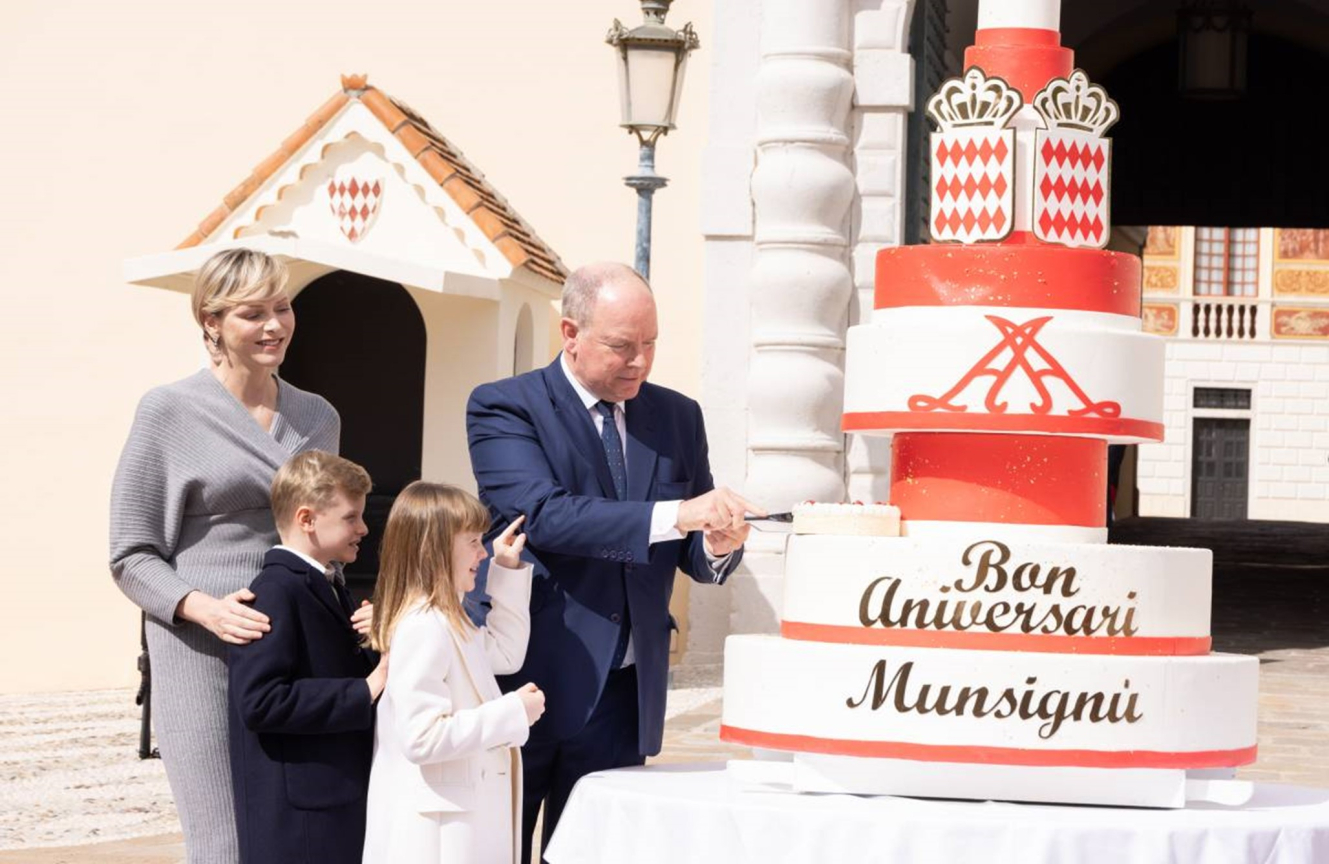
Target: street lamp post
<point>651,62</point>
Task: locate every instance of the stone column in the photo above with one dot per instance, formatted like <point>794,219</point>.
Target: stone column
<point>799,283</point>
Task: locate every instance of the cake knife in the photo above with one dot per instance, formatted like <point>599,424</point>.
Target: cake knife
<point>778,523</point>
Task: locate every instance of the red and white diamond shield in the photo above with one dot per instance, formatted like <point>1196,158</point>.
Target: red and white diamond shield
<point>973,184</point>
<point>355,201</point>
<point>1071,174</point>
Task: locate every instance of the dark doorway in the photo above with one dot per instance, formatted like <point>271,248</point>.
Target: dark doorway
<point>360,343</point>
<point>1251,161</point>
<point>1221,449</point>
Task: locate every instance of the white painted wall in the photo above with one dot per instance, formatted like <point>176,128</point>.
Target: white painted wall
<point>1289,459</point>
<point>126,124</point>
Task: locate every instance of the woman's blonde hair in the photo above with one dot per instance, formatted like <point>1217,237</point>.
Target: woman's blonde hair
<point>415,555</point>
<point>236,276</point>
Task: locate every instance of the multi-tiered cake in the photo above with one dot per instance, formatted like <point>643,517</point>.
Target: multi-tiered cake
<point>998,647</point>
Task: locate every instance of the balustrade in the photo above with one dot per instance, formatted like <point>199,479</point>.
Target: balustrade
<point>1225,319</point>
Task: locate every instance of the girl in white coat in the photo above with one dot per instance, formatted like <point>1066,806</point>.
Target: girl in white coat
<point>446,779</point>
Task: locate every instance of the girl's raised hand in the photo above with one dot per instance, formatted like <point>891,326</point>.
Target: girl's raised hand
<point>508,545</point>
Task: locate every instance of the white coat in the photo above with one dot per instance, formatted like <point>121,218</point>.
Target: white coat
<point>446,779</point>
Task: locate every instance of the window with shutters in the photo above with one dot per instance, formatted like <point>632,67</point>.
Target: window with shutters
<point>1226,262</point>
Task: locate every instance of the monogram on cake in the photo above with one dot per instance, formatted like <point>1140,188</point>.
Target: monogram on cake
<point>978,637</point>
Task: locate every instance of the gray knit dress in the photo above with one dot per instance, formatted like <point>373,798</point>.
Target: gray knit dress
<point>190,510</point>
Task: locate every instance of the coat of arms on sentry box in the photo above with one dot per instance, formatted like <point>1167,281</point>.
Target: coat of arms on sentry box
<point>1048,172</point>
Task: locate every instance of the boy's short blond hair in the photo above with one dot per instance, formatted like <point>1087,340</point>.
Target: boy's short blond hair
<point>313,479</point>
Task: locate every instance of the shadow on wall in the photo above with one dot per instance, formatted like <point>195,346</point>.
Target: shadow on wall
<point>1258,608</point>
<point>1271,579</point>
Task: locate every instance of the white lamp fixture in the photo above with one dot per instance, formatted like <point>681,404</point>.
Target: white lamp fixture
<point>651,62</point>
<point>1212,37</point>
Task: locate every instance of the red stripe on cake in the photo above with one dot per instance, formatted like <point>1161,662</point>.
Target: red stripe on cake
<point>1025,57</point>
<point>1124,646</point>
<point>1022,479</point>
<point>1108,427</point>
<point>991,755</point>
<point>1019,275</point>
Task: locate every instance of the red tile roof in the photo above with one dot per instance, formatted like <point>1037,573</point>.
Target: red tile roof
<point>445,163</point>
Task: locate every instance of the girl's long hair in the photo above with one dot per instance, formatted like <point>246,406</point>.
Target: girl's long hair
<point>415,556</point>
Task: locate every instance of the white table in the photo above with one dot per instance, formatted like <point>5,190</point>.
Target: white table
<point>671,814</point>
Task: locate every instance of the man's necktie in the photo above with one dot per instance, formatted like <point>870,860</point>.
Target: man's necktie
<point>619,471</point>
<point>613,445</point>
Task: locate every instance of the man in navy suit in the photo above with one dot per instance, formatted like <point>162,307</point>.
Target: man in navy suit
<point>613,477</point>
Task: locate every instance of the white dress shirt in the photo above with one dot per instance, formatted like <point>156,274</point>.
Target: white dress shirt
<point>664,515</point>
<point>327,572</point>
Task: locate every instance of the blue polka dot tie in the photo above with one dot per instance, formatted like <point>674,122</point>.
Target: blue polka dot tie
<point>618,469</point>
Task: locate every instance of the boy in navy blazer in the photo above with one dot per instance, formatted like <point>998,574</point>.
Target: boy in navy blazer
<point>302,697</point>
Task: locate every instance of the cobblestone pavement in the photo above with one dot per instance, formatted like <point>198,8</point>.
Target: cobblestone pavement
<point>71,780</point>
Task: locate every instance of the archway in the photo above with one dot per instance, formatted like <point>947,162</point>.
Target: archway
<point>1244,162</point>
<point>1252,161</point>
<point>360,343</point>
<point>523,342</point>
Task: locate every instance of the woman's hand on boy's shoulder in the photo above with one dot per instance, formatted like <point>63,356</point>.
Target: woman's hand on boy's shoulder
<point>508,545</point>
<point>228,618</point>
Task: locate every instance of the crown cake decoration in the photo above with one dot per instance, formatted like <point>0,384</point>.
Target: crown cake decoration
<point>974,100</point>
<point>973,158</point>
<point>1057,185</point>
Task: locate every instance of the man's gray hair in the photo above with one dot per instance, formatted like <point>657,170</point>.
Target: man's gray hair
<point>582,288</point>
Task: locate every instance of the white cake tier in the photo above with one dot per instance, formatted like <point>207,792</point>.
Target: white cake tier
<point>979,592</point>
<point>999,369</point>
<point>992,707</point>
<point>937,531</point>
<point>870,520</point>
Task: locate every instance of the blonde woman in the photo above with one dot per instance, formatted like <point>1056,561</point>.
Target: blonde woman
<point>190,523</point>
<point>446,779</point>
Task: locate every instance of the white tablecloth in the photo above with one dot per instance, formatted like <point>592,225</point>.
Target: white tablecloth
<point>686,814</point>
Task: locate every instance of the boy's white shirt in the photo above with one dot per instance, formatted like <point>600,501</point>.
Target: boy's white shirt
<point>310,561</point>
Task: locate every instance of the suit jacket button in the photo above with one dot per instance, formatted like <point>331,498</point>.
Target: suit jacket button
<point>615,617</point>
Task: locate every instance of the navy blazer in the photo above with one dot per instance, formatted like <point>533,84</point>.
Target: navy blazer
<point>301,721</point>
<point>535,451</point>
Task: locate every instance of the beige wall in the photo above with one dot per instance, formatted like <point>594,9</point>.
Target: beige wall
<point>127,122</point>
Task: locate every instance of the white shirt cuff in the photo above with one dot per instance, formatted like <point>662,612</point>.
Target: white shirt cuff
<point>664,518</point>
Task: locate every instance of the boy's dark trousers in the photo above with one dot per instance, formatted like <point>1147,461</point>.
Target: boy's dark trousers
<point>301,722</point>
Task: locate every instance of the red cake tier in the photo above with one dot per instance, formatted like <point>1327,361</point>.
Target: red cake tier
<point>1026,58</point>
<point>1024,479</point>
<point>1034,276</point>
